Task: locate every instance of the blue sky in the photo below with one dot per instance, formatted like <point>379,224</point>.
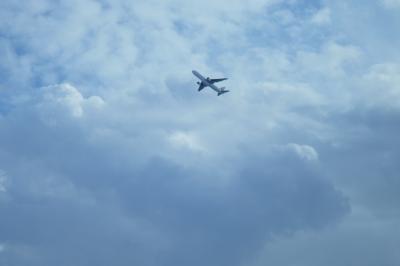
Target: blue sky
<point>110,156</point>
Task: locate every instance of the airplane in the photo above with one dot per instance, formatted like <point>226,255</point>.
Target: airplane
<point>207,82</point>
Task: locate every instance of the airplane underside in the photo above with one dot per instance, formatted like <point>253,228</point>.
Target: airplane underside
<point>208,82</point>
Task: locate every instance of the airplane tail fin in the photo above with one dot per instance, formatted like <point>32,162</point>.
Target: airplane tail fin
<point>222,91</point>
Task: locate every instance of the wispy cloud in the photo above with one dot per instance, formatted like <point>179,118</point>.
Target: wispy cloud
<point>3,180</point>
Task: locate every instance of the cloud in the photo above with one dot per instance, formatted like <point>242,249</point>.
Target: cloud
<point>391,3</point>
<point>372,244</point>
<point>322,17</point>
<point>331,60</point>
<point>161,208</point>
<point>304,151</point>
<point>3,180</point>
<point>260,201</point>
<point>381,84</point>
<point>185,140</point>
<point>68,97</point>
<point>108,141</point>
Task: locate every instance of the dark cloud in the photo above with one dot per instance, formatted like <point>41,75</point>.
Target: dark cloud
<point>80,200</point>
<point>367,151</point>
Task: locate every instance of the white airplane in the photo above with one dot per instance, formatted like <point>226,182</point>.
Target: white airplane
<point>207,82</point>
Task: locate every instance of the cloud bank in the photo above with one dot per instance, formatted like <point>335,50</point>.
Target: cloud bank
<point>109,155</point>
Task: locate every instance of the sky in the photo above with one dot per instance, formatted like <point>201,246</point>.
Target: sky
<point>110,156</point>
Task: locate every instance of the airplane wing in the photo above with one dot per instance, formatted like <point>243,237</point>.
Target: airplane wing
<point>201,87</point>
<point>212,81</point>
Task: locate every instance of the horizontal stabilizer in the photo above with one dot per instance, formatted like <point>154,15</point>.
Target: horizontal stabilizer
<point>222,91</point>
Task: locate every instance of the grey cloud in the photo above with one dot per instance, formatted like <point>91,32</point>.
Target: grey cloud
<point>261,202</point>
<point>152,212</point>
<point>369,241</point>
<point>367,148</point>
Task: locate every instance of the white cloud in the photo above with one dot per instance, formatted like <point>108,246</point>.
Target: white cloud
<point>391,3</point>
<point>3,181</point>
<point>69,98</point>
<point>381,86</point>
<point>292,95</point>
<point>305,152</point>
<point>322,16</point>
<point>332,60</point>
<point>186,140</point>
